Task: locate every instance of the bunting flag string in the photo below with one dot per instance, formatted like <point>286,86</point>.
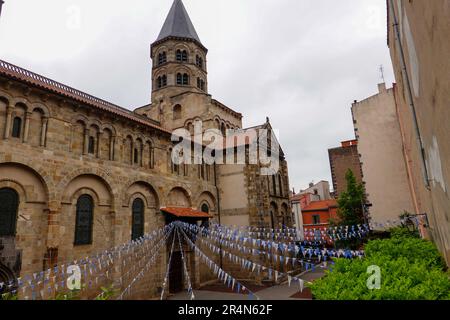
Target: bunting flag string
<point>166,277</point>
<point>154,250</point>
<point>278,251</point>
<point>251,266</point>
<point>223,276</point>
<point>324,235</point>
<point>99,268</point>
<point>186,273</point>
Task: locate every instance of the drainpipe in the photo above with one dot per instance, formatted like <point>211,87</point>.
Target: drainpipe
<point>409,93</point>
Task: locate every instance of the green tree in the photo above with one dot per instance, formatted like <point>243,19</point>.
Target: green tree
<point>350,202</point>
<point>411,269</point>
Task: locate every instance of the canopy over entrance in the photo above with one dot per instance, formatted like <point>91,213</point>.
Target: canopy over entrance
<point>186,213</point>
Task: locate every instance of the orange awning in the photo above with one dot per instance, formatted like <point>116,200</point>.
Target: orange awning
<point>186,213</point>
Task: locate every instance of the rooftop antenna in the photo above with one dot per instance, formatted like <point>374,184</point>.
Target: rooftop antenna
<point>381,71</point>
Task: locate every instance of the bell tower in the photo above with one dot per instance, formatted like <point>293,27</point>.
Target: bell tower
<point>178,57</point>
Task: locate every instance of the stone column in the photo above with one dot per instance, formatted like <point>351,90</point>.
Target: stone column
<point>53,221</point>
<point>27,126</point>
<point>86,141</point>
<point>9,111</point>
<point>112,148</point>
<point>99,137</point>
<point>44,131</point>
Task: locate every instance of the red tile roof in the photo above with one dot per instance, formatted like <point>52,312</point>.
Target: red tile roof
<point>186,213</point>
<point>321,205</point>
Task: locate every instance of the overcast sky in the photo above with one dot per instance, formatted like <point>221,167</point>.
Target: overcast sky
<point>299,62</point>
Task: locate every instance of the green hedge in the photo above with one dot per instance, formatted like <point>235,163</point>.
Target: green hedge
<point>411,269</point>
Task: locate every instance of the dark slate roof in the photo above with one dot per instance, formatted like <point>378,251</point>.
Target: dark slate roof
<point>178,24</point>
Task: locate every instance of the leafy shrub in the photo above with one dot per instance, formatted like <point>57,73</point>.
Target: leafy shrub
<point>411,269</point>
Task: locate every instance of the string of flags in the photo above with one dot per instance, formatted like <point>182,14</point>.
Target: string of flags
<point>221,274</point>
<point>271,249</point>
<point>55,279</point>
<point>322,234</point>
<point>249,265</point>
<point>151,260</point>
<point>186,273</point>
<point>166,277</point>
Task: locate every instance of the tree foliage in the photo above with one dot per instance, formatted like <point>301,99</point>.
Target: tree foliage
<point>411,269</point>
<point>350,202</point>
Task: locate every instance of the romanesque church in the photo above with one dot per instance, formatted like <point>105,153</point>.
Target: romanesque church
<point>79,174</point>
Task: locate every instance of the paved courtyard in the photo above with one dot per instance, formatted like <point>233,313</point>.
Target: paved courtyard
<point>279,292</point>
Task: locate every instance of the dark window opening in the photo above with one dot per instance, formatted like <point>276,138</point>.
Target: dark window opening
<point>185,79</point>
<point>9,205</point>
<point>136,156</point>
<point>162,58</point>
<point>84,220</point>
<point>91,147</point>
<point>17,127</point>
<point>137,219</point>
<point>316,219</point>
<point>179,79</point>
<point>205,208</point>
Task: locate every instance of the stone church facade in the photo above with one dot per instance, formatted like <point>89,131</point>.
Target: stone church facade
<point>79,174</point>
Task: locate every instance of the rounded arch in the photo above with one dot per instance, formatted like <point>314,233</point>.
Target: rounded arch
<point>208,198</point>
<point>80,118</point>
<point>98,173</point>
<point>42,108</point>
<point>110,127</point>
<point>179,197</point>
<point>162,71</point>
<point>143,189</point>
<point>27,178</point>
<point>94,123</point>
<point>6,97</point>
<point>22,102</point>
<point>100,189</point>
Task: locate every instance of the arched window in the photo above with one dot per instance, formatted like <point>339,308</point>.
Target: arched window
<point>199,61</point>
<point>179,55</point>
<point>136,156</point>
<point>162,58</point>
<point>274,185</point>
<point>17,127</point>
<point>9,204</point>
<point>177,112</point>
<point>84,220</point>
<point>205,208</point>
<point>164,81</point>
<point>179,79</point>
<point>184,56</point>
<point>159,82</point>
<point>185,79</point>
<point>91,147</point>
<point>137,229</point>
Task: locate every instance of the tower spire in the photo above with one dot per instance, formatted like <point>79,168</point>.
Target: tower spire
<point>178,24</point>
